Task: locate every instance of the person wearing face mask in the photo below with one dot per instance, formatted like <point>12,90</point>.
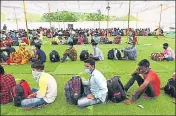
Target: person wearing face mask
<point>95,89</point>
<point>149,85</point>
<point>130,53</point>
<point>169,54</point>
<point>70,52</point>
<point>97,53</point>
<point>47,91</point>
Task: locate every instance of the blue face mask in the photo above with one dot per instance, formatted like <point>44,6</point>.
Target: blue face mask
<point>88,71</point>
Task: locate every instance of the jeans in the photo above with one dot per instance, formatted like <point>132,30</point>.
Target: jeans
<point>33,102</point>
<point>148,90</point>
<point>169,58</point>
<point>84,101</point>
<point>65,57</point>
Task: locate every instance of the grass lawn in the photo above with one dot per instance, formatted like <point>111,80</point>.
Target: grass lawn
<point>62,72</point>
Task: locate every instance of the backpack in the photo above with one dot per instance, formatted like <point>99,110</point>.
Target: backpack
<point>74,90</point>
<point>54,56</point>
<point>84,55</point>
<point>7,83</point>
<point>157,56</point>
<point>20,92</point>
<point>116,91</point>
<point>170,88</point>
<point>111,54</point>
<point>54,43</point>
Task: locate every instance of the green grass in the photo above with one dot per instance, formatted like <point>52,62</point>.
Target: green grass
<point>62,72</point>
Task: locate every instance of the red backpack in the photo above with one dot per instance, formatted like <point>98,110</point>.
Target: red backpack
<point>20,92</point>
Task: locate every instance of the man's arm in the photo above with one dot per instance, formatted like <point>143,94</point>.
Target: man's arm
<point>142,87</point>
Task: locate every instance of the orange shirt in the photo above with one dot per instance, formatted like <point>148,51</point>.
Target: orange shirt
<point>154,80</point>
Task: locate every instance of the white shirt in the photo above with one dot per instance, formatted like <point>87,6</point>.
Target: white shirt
<point>98,53</point>
<point>98,85</point>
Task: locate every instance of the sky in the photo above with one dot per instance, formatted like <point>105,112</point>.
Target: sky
<point>147,10</point>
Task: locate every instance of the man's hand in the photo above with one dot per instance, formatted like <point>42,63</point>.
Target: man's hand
<point>128,101</point>
<point>90,96</point>
<point>32,95</point>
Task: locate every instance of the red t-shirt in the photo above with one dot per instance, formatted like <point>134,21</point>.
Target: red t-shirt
<point>154,80</point>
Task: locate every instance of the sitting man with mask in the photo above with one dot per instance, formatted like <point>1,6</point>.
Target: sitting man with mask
<point>95,88</point>
<point>169,54</point>
<point>97,54</point>
<point>70,52</point>
<point>47,91</point>
<point>130,53</point>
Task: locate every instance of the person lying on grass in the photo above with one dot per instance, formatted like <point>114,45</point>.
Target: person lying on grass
<point>169,54</point>
<point>95,88</point>
<point>70,52</point>
<point>97,54</point>
<point>39,55</point>
<point>130,53</point>
<point>47,91</point>
<point>149,85</point>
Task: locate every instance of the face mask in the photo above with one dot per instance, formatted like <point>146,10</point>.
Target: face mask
<point>36,75</point>
<point>88,71</point>
<point>164,47</point>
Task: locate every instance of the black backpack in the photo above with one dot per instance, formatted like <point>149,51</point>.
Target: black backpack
<point>74,90</point>
<point>84,55</point>
<point>111,54</point>
<point>54,56</point>
<point>20,92</point>
<point>170,88</point>
<point>54,43</point>
<point>116,91</point>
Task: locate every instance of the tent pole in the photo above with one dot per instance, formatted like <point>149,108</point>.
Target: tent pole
<point>128,20</point>
<point>26,22</point>
<point>160,20</point>
<point>16,18</point>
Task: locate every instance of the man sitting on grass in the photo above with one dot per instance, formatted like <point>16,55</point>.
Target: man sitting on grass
<point>130,53</point>
<point>149,85</point>
<point>39,55</point>
<point>95,88</point>
<point>97,54</point>
<point>47,91</point>
<point>169,54</point>
<point>70,52</point>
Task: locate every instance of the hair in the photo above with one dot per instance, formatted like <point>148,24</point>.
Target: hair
<point>90,61</point>
<point>38,65</point>
<point>144,63</point>
<point>1,70</point>
<point>166,44</point>
<point>38,46</point>
<point>133,43</point>
<point>94,43</point>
